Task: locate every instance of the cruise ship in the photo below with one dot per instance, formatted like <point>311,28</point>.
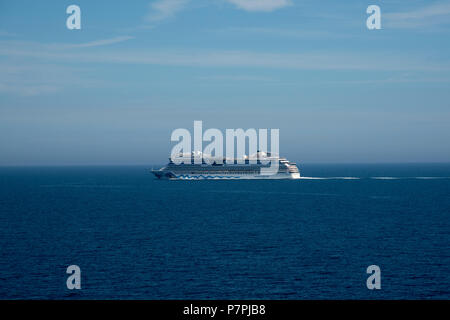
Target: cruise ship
<point>210,168</point>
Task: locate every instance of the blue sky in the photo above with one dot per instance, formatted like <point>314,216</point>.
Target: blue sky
<point>112,92</point>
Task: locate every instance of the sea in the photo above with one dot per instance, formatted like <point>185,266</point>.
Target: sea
<point>135,237</point>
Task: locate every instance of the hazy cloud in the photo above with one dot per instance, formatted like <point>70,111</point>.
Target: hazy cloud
<point>437,13</point>
<point>233,78</point>
<point>27,90</point>
<point>103,42</point>
<point>96,43</point>
<point>261,5</point>
<point>33,79</point>
<point>283,32</point>
<point>325,60</point>
<point>163,9</point>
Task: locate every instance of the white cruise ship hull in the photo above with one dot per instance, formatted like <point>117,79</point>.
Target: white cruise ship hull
<point>225,176</point>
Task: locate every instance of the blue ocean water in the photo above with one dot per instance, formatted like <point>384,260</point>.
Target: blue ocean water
<point>139,238</point>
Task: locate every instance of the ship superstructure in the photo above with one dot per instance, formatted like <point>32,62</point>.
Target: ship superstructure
<point>248,167</point>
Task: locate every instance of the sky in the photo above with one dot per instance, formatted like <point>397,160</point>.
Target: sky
<point>112,92</point>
